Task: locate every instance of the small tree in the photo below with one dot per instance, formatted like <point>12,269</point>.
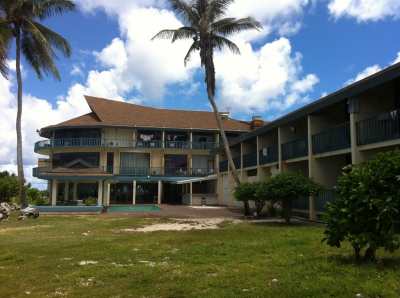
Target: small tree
<point>367,206</point>
<point>245,192</point>
<point>9,187</point>
<point>285,188</point>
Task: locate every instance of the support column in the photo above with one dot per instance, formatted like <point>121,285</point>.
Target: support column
<point>54,189</point>
<point>159,192</point>
<point>191,195</point>
<point>99,193</point>
<point>134,193</point>
<point>106,193</point>
<point>312,207</point>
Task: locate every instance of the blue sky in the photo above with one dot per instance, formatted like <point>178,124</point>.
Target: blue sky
<point>307,49</point>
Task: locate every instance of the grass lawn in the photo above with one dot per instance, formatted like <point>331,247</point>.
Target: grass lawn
<point>52,257</point>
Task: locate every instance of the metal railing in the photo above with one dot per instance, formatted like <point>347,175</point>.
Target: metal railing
<point>334,139</point>
<point>326,197</point>
<point>294,149</point>
<point>123,143</point>
<point>381,128</point>
<point>268,155</point>
<point>143,171</point>
<point>250,160</point>
<point>303,202</point>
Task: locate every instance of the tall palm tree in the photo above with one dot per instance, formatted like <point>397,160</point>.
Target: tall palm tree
<point>208,30</point>
<point>18,20</point>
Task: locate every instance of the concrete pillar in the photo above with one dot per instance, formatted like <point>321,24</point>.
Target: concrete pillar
<point>312,207</point>
<point>134,193</point>
<point>159,192</point>
<point>191,195</point>
<point>100,193</point>
<point>54,192</point>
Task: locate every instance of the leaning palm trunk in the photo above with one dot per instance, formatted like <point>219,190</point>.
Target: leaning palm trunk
<point>20,163</point>
<point>224,139</point>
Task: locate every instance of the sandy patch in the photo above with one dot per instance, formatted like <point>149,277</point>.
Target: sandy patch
<point>182,225</point>
<point>23,228</point>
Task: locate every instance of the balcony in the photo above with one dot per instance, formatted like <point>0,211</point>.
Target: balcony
<point>268,155</point>
<point>123,143</point>
<point>383,127</point>
<point>250,160</point>
<point>224,165</point>
<point>334,139</point>
<point>145,171</point>
<point>295,149</point>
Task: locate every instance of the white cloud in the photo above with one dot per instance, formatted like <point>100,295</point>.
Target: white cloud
<point>365,73</point>
<point>397,60</point>
<point>268,78</point>
<point>76,70</point>
<point>365,10</point>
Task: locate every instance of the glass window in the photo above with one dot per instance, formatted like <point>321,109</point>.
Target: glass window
<point>135,163</point>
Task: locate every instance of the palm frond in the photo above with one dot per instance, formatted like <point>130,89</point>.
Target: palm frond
<point>6,38</point>
<point>181,33</point>
<point>54,39</point>
<point>48,8</point>
<point>228,26</point>
<point>220,42</point>
<point>216,9</point>
<point>186,11</point>
<point>38,52</point>
<point>193,48</point>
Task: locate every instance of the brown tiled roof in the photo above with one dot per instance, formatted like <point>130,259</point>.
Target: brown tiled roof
<point>107,112</point>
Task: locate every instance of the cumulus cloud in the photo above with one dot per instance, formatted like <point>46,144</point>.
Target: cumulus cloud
<point>268,78</point>
<point>365,10</point>
<point>135,69</point>
<point>370,70</point>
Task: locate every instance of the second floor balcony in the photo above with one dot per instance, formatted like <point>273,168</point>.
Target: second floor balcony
<point>334,139</point>
<point>383,127</point>
<point>295,149</point>
<point>144,171</point>
<point>122,143</point>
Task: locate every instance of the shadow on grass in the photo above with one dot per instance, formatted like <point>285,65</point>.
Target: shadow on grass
<point>280,223</point>
<point>381,263</point>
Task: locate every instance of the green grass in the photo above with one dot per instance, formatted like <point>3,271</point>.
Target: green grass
<point>43,257</point>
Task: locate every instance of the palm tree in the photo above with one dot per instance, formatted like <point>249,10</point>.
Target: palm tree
<point>208,31</point>
<point>36,42</point>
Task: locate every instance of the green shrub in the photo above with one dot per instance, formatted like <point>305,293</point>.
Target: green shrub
<point>89,201</point>
<point>273,210</point>
<point>283,189</point>
<point>366,210</point>
<point>40,201</point>
<point>245,192</point>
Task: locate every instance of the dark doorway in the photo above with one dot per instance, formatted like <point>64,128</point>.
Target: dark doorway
<point>172,193</point>
<point>146,193</point>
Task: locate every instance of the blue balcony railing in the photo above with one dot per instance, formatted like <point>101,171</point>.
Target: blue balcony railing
<point>381,128</point>
<point>334,139</point>
<point>224,165</point>
<point>123,143</point>
<point>328,196</point>
<point>237,161</point>
<point>303,202</point>
<point>268,155</point>
<point>144,171</point>
<point>294,149</point>
<point>250,160</point>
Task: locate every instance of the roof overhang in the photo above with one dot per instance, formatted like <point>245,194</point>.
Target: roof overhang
<point>352,90</point>
<point>209,177</point>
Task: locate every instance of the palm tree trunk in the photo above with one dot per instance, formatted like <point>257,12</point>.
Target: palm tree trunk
<point>223,136</point>
<point>20,163</point>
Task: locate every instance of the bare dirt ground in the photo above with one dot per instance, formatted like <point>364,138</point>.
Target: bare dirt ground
<point>180,224</point>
